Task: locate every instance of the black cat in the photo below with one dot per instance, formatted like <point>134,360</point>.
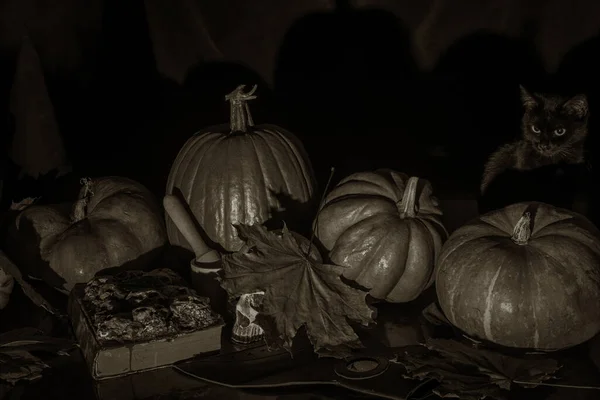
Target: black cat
<point>548,163</point>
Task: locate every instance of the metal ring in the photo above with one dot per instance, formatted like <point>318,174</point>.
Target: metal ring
<point>342,370</point>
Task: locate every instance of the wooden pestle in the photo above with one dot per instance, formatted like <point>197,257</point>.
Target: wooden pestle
<point>206,266</point>
<point>182,219</point>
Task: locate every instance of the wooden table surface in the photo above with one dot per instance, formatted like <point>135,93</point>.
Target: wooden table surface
<point>396,327</point>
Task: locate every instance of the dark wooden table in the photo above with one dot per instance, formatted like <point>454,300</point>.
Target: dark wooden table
<point>70,378</point>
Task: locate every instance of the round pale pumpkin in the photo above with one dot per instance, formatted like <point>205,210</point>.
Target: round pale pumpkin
<point>386,229</point>
<point>240,174</point>
<point>114,222</point>
<point>526,276</point>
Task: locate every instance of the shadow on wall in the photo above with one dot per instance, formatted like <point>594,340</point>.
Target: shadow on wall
<point>202,102</point>
<point>475,96</point>
<point>349,84</point>
<point>7,70</point>
<point>345,83</point>
<point>578,72</point>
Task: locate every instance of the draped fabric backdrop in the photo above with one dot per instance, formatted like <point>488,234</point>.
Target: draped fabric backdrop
<point>114,76</point>
<point>184,32</point>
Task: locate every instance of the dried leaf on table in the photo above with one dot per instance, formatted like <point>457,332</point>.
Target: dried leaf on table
<point>16,359</point>
<point>23,204</point>
<point>20,365</point>
<point>299,290</point>
<point>471,373</point>
<point>434,315</point>
<point>10,268</point>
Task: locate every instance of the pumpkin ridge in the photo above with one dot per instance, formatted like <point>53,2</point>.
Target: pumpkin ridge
<point>235,189</point>
<point>547,253</point>
<point>182,164</point>
<point>377,177</point>
<point>572,241</point>
<point>434,227</point>
<point>362,272</point>
<point>362,196</point>
<point>304,168</point>
<point>264,173</point>
<point>576,234</point>
<point>475,257</point>
<point>196,168</point>
<point>211,156</point>
<point>488,225</point>
<point>278,141</point>
<point>271,151</point>
<point>487,314</point>
<point>396,183</point>
<point>433,237</point>
<point>231,189</point>
<point>459,239</point>
<point>141,245</point>
<point>538,226</point>
<point>187,157</point>
<point>365,273</point>
<point>110,256</point>
<point>95,206</point>
<point>533,280</point>
<point>378,180</point>
<point>390,284</point>
<point>334,194</point>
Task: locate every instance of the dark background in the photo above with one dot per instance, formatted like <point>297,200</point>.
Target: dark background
<point>385,83</point>
<point>378,84</point>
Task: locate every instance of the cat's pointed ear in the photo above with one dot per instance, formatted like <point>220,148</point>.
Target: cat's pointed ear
<point>528,100</point>
<point>577,106</point>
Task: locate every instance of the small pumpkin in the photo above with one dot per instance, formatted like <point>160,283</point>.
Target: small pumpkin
<point>386,228</point>
<point>240,174</point>
<point>525,276</point>
<point>114,221</point>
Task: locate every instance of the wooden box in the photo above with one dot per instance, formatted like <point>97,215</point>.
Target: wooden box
<point>112,359</point>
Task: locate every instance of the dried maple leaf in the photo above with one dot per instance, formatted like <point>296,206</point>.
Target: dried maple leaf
<point>16,359</point>
<point>23,204</point>
<point>11,269</point>
<point>299,290</point>
<point>472,373</point>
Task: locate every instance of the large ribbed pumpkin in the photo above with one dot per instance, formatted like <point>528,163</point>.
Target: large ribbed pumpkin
<point>239,174</point>
<point>114,222</point>
<point>386,229</point>
<point>526,276</point>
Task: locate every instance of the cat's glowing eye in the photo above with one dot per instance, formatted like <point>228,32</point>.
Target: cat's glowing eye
<point>535,129</point>
<point>560,131</point>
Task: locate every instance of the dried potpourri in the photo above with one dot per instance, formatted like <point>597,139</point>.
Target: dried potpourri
<point>138,306</point>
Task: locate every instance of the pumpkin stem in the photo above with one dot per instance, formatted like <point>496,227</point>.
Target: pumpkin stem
<point>80,207</point>
<point>312,235</point>
<point>408,206</point>
<point>522,231</point>
<point>240,117</point>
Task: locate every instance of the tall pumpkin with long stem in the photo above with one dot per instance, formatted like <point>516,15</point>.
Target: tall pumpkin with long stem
<point>240,173</point>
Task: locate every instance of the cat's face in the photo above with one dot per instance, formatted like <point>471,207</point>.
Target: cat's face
<point>553,124</point>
